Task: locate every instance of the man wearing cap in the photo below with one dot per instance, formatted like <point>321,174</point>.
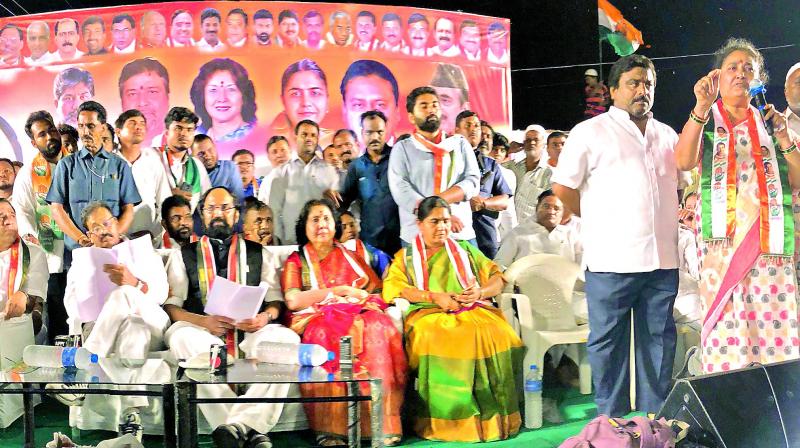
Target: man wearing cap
<point>497,48</point>
<point>596,94</point>
<point>792,91</point>
<point>533,175</point>
<point>453,91</point>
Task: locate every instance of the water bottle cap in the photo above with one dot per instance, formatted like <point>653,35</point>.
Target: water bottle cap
<point>533,367</point>
<point>93,358</point>
<point>330,377</point>
<point>331,356</point>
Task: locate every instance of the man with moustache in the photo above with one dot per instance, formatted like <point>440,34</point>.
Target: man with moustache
<point>494,193</point>
<point>10,46</point>
<point>258,224</point>
<point>366,28</point>
<point>91,174</point>
<point>313,23</point>
<point>177,223</point>
<point>392,32</point>
<point>278,153</point>
<point>66,41</point>
<point>236,28</point>
<point>452,89</point>
<point>38,38</point>
<point>193,331</point>
<point>148,173</point>
<point>123,34</point>
<point>288,29</point>
<point>71,87</point>
<point>533,176</point>
<point>154,30</point>
<point>367,182</point>
<point>469,38</point>
<point>262,27</point>
<point>221,173</point>
<point>34,218</point>
<point>144,86</point>
<point>369,85</point>
<point>210,23</point>
<point>186,174</point>
<point>93,31</point>
<point>445,32</point>
<point>418,32</point>
<point>305,176</point>
<point>497,49</point>
<point>7,176</point>
<point>430,163</point>
<point>341,30</point>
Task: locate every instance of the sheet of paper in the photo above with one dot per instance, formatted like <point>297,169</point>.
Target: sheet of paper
<point>92,285</point>
<point>232,300</point>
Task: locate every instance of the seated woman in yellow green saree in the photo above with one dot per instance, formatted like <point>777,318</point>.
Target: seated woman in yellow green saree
<point>466,359</point>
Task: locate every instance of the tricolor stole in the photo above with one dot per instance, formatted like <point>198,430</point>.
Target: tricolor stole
<point>41,178</point>
<point>719,178</point>
<point>237,272</point>
<point>18,271</point>
<point>441,156</point>
<point>191,174</point>
<point>417,263</point>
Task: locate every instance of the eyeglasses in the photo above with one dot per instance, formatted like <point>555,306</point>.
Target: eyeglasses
<point>105,225</point>
<point>245,163</point>
<point>213,209</point>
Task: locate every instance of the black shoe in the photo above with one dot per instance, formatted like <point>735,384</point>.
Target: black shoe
<point>229,436</point>
<point>258,440</point>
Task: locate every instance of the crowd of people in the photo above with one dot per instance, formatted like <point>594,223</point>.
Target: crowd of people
<point>433,219</point>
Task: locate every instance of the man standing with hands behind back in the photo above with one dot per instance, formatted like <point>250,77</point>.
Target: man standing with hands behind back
<point>625,156</point>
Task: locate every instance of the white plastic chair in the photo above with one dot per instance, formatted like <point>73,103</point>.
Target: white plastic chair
<point>544,310</point>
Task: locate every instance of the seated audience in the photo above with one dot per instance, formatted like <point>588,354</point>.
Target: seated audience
<point>452,332</point>
<point>258,223</point>
<point>543,236</point>
<point>193,331</point>
<point>347,232</point>
<point>333,293</point>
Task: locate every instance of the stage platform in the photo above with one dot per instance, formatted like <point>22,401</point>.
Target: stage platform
<point>576,410</point>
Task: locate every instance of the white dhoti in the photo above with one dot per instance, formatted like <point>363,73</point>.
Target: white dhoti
<point>186,341</point>
<point>130,325</point>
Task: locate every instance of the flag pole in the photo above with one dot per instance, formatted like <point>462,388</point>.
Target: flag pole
<point>600,51</point>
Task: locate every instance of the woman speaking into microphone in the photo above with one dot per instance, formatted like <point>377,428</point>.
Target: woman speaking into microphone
<point>745,225</point>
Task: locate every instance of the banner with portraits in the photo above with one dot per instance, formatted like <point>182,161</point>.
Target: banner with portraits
<point>250,70</point>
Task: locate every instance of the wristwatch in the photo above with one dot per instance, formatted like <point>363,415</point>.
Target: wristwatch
<point>139,285</point>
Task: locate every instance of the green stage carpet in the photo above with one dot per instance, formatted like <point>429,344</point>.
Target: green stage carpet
<point>576,409</point>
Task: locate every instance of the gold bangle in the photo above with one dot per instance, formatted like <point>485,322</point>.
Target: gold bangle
<point>426,296</point>
<point>701,121</point>
<point>789,150</point>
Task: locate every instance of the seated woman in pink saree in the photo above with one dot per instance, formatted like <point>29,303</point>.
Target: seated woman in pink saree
<point>334,293</point>
<point>746,225</point>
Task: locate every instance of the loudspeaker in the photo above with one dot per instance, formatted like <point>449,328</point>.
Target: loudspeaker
<point>757,406</point>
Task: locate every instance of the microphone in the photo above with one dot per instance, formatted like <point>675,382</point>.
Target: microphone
<point>757,92</point>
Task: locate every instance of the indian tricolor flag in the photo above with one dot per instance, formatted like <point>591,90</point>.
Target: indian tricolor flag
<point>623,36</point>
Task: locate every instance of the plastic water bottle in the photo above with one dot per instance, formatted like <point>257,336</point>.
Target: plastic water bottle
<point>288,353</point>
<point>533,398</point>
<point>50,356</point>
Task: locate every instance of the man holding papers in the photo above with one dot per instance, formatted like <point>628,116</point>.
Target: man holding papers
<point>223,254</point>
<point>115,289</point>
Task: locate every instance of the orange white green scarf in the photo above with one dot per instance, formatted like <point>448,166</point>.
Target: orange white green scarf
<point>41,178</point>
<point>18,268</point>
<point>166,241</point>
<point>459,258</point>
<point>443,164</point>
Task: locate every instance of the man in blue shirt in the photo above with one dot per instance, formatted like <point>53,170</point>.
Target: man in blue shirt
<point>494,192</point>
<point>367,181</point>
<point>244,159</point>
<point>223,173</point>
<point>89,175</point>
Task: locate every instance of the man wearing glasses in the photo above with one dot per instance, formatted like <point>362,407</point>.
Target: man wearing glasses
<point>89,175</point>
<point>224,253</point>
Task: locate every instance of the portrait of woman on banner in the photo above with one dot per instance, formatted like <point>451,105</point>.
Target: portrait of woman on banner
<point>225,100</point>
<point>304,95</point>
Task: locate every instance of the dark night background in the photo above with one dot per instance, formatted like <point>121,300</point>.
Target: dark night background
<point>547,33</point>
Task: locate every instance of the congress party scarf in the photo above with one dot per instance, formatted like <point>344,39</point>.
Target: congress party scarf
<point>41,178</point>
<point>191,175</point>
<point>18,269</point>
<point>459,258</point>
<point>315,273</point>
<point>718,186</point>
<point>359,248</point>
<point>441,179</point>
<point>166,241</point>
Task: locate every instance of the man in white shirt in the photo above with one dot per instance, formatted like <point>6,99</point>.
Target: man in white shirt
<point>38,38</point>
<point>148,172</point>
<point>497,48</point>
<point>278,152</point>
<point>791,89</point>
<point>23,272</point>
<point>11,46</point>
<point>469,38</point>
<point>619,167</point>
<point>123,34</point>
<point>186,174</point>
<point>543,236</point>
<point>313,24</point>
<point>392,32</point>
<point>366,28</point>
<point>210,24</point>
<point>445,32</point>
<point>67,36</point>
<point>305,176</point>
<point>341,30</point>
<point>418,33</point>
<point>236,28</point>
<point>533,176</point>
<point>430,163</point>
<point>34,220</point>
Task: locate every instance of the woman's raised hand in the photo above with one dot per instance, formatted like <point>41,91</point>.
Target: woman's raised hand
<point>706,90</point>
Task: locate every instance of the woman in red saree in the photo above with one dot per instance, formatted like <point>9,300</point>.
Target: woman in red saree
<point>333,293</point>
